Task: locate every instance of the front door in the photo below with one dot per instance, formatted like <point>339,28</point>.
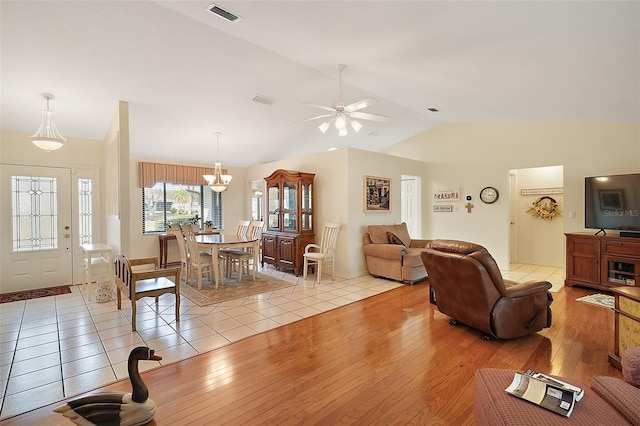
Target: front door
<point>35,227</point>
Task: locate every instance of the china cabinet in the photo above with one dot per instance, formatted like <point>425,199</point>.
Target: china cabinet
<point>289,214</point>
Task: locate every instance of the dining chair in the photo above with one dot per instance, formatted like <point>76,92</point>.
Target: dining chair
<point>322,254</point>
<point>184,254</point>
<point>198,260</point>
<point>243,258</point>
<point>147,282</point>
<point>241,231</point>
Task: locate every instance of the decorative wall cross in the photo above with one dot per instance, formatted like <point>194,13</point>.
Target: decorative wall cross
<point>468,206</point>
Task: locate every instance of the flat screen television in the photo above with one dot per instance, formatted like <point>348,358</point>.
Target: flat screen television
<point>613,202</point>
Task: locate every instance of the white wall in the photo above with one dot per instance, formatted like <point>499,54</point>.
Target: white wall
<point>475,155</point>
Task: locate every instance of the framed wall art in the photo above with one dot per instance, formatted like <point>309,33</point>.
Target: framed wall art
<point>377,194</point>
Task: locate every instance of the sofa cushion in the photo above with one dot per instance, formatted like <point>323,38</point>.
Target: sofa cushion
<point>620,395</point>
<point>378,233</point>
<point>412,258</point>
<point>393,239</point>
<point>631,366</point>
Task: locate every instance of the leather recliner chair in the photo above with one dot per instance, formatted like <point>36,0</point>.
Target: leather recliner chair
<point>467,285</point>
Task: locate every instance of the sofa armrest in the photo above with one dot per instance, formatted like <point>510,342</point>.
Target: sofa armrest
<point>527,289</point>
<point>385,251</point>
<point>419,243</point>
<point>622,396</point>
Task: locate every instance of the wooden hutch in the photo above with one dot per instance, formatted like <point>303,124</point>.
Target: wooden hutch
<point>289,216</point>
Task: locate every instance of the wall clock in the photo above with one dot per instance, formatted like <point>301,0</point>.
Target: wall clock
<point>489,195</point>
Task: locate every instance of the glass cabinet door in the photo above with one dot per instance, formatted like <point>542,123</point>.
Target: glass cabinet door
<point>289,208</point>
<point>273,214</point>
<point>307,208</point>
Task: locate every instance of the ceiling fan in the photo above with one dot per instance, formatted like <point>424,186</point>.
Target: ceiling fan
<point>342,115</point>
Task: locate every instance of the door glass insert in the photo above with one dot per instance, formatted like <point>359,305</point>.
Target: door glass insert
<point>85,210</point>
<point>34,213</point>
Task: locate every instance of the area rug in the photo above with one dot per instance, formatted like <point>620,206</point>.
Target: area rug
<point>603,300</point>
<point>231,289</point>
<point>34,294</point>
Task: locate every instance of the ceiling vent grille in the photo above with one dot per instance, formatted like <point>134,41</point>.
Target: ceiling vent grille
<point>224,14</point>
<point>266,100</point>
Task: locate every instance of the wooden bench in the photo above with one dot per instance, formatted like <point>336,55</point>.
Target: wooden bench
<point>145,282</point>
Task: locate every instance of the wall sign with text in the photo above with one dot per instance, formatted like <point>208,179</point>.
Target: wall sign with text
<point>448,194</point>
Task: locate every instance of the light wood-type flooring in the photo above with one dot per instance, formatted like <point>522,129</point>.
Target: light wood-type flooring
<point>388,359</point>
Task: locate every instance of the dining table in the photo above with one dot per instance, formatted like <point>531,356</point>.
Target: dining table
<point>214,242</point>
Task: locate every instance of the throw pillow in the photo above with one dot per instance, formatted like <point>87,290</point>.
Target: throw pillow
<point>393,239</point>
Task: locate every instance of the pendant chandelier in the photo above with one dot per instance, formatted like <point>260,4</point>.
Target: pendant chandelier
<point>217,182</point>
<point>47,137</point>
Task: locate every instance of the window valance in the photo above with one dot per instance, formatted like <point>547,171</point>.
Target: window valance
<point>151,173</point>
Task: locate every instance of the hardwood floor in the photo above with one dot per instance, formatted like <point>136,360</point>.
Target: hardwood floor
<point>370,362</point>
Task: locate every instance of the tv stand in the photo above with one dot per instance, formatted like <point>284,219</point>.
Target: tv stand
<point>630,234</point>
<point>602,262</point>
<point>601,230</point>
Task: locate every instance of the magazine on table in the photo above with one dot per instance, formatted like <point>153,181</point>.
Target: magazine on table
<point>545,391</point>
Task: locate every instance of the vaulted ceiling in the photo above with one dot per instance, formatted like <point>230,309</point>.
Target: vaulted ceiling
<point>187,73</point>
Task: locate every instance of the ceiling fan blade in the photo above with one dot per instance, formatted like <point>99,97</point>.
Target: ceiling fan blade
<point>362,103</point>
<point>372,117</point>
<point>314,118</point>
<point>320,106</point>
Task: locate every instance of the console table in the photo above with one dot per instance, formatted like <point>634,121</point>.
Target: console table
<point>97,265</point>
<point>163,241</point>
<point>627,322</point>
<point>602,262</point>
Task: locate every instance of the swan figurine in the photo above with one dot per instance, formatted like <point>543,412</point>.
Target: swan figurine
<point>116,408</point>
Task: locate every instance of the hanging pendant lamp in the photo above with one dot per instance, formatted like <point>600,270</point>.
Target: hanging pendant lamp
<point>217,182</point>
<point>47,137</point>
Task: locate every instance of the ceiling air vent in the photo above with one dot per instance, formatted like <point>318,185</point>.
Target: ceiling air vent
<point>266,100</point>
<point>224,14</point>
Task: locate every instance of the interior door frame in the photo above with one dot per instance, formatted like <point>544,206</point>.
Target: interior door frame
<point>416,210</point>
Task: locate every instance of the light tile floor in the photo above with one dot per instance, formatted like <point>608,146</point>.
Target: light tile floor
<point>56,347</point>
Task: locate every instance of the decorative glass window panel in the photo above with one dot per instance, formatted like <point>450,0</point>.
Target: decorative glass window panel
<point>34,213</point>
<point>85,210</point>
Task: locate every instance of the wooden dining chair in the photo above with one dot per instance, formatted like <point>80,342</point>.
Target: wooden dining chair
<point>243,258</point>
<point>200,261</point>
<point>323,254</point>
<point>241,231</point>
<point>149,282</point>
<point>184,255</point>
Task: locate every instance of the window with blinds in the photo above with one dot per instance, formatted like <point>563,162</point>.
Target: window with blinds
<point>166,203</point>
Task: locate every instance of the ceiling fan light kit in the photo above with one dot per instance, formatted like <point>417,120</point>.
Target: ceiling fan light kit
<point>341,115</point>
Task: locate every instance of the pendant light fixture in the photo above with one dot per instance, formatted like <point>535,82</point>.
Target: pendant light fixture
<point>217,182</point>
<point>47,137</point>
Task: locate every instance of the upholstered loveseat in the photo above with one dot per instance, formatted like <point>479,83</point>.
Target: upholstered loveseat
<point>391,253</point>
<point>608,401</point>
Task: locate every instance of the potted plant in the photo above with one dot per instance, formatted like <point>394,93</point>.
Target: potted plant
<point>208,226</point>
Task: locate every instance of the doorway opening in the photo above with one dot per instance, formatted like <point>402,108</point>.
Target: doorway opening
<point>534,239</point>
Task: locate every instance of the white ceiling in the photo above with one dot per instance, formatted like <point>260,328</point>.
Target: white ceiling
<point>187,73</point>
